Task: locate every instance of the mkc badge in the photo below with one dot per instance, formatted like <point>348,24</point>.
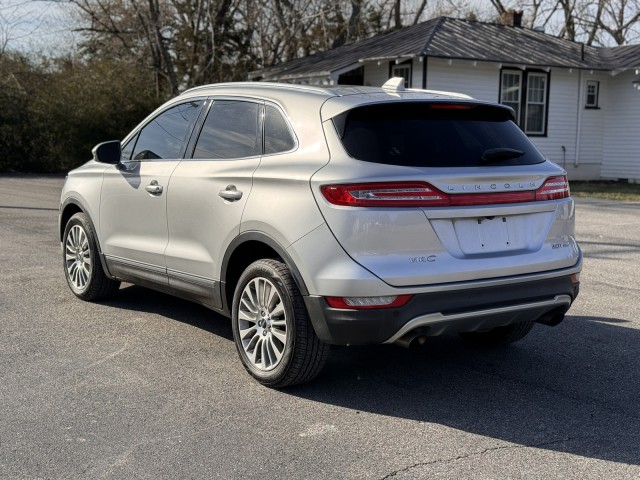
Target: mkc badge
<point>429,259</point>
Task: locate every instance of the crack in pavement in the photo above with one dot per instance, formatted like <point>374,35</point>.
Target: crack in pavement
<point>482,452</point>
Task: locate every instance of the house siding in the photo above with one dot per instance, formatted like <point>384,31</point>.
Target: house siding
<point>461,76</point>
<point>592,129</point>
<point>566,104</point>
<point>481,80</point>
<point>622,131</point>
<point>375,75</point>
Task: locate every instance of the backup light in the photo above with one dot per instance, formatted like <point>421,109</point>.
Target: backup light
<point>368,303</point>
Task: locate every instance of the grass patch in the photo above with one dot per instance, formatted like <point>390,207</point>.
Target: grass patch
<point>621,191</point>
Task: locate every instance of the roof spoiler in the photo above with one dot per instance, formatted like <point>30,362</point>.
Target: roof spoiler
<point>394,84</point>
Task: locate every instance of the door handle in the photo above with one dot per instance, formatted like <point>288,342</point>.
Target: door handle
<point>230,193</point>
<point>153,188</point>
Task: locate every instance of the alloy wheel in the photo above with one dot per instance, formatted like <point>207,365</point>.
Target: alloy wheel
<point>78,258</point>
<point>262,324</point>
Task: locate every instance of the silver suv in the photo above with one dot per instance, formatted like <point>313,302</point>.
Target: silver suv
<point>317,216</point>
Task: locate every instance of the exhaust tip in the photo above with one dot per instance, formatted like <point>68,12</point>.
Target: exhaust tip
<point>411,341</point>
<point>552,318</point>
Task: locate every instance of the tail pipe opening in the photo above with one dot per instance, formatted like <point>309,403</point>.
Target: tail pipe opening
<point>411,340</point>
<point>552,318</point>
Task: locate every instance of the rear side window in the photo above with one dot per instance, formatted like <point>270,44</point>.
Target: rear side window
<point>232,130</point>
<point>277,137</point>
<point>435,135</point>
<point>165,135</point>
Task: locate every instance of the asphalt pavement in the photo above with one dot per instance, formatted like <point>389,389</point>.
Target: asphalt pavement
<point>149,386</point>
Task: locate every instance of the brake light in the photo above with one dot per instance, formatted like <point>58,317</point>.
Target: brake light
<point>449,106</point>
<point>405,194</point>
<point>553,189</point>
<point>368,303</point>
<point>421,194</point>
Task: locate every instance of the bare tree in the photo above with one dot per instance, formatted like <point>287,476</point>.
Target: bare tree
<point>18,21</point>
<point>591,21</point>
<point>618,19</point>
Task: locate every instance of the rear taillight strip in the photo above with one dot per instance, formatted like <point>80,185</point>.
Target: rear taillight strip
<point>553,189</point>
<point>421,194</point>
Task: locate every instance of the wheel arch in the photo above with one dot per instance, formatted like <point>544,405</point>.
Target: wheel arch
<point>69,208</point>
<point>246,249</point>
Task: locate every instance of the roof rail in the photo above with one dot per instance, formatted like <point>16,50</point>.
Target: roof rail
<point>289,86</point>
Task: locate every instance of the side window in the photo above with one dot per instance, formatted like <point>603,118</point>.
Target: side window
<point>232,129</point>
<point>127,149</point>
<point>277,137</point>
<point>165,135</point>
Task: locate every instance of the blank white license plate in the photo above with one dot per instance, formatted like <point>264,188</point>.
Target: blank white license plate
<point>487,235</point>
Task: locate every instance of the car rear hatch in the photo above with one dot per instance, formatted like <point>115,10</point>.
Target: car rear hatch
<point>424,193</point>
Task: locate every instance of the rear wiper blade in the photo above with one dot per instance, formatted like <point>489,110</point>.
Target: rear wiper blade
<point>500,154</point>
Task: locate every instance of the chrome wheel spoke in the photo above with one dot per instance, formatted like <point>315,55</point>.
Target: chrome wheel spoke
<point>265,354</point>
<point>84,274</point>
<point>279,334</point>
<point>278,310</point>
<point>247,332</point>
<point>252,351</point>
<point>277,349</point>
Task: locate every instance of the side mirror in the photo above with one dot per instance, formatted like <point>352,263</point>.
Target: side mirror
<point>107,152</point>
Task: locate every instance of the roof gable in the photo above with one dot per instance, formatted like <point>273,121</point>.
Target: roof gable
<point>463,39</point>
<point>454,38</point>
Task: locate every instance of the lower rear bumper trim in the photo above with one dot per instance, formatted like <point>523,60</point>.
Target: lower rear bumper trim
<point>435,318</point>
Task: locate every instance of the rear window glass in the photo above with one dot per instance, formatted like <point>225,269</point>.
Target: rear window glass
<point>232,130</point>
<point>435,135</point>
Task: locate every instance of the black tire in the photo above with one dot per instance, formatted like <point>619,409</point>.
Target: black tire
<point>499,336</point>
<point>278,346</point>
<point>82,267</point>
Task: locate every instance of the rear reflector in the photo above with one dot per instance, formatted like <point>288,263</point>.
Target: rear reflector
<point>368,303</point>
<point>421,194</point>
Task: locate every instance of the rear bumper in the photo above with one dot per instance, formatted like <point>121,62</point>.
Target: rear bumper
<point>439,312</point>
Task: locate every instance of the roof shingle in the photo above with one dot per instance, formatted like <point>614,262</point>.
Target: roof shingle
<point>454,38</point>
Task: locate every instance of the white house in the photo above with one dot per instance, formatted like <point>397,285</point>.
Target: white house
<point>579,104</point>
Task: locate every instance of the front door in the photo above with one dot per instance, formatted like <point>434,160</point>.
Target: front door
<point>133,206</point>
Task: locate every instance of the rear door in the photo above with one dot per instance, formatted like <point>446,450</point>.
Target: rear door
<point>208,193</point>
<point>438,192</point>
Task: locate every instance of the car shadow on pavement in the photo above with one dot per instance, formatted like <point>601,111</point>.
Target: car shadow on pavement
<point>140,299</point>
<point>572,389</point>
